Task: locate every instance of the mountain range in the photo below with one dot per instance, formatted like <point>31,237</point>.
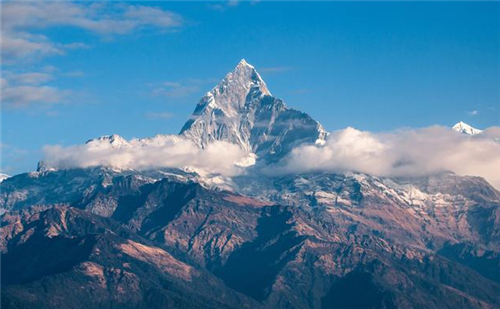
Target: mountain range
<point>107,237</point>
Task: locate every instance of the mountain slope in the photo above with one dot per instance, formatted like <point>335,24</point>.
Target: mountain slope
<point>340,232</point>
<point>65,257</point>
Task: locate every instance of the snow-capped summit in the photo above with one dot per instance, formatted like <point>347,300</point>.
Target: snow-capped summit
<point>230,95</point>
<point>3,177</point>
<point>242,110</point>
<point>464,128</point>
<point>114,140</point>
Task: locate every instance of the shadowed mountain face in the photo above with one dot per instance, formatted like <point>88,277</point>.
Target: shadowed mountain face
<point>67,258</point>
<point>102,238</point>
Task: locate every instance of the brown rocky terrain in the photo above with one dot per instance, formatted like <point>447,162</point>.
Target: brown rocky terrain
<point>343,242</point>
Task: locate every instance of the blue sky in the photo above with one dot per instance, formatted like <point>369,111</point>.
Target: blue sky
<point>138,69</point>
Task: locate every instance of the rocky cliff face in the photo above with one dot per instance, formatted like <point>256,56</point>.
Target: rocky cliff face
<point>241,110</point>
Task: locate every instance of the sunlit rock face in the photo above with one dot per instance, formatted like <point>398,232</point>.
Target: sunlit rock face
<point>241,110</point>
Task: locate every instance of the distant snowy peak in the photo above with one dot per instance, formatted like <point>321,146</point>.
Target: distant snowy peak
<point>464,128</point>
<point>116,141</point>
<point>3,177</point>
<point>241,110</point>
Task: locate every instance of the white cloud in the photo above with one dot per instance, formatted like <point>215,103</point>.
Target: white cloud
<point>217,158</point>
<point>102,18</point>
<point>22,96</point>
<point>473,113</point>
<point>32,78</point>
<point>23,90</point>
<point>21,20</point>
<point>404,153</point>
<point>21,45</point>
<point>145,15</point>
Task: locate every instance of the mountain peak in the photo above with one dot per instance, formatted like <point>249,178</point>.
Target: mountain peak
<point>464,128</point>
<point>114,141</point>
<point>242,111</point>
<point>244,63</point>
<point>243,78</point>
<point>3,177</point>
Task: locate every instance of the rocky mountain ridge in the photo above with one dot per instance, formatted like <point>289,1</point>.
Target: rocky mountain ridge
<point>105,237</point>
<point>341,231</point>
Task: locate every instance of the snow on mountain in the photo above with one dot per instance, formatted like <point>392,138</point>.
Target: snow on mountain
<point>464,128</point>
<point>114,141</point>
<point>241,110</point>
<point>3,177</point>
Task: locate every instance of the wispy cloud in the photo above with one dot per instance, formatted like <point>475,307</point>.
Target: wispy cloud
<point>174,89</point>
<point>159,115</point>
<point>22,45</point>
<point>33,78</point>
<point>279,69</point>
<point>26,89</point>
<point>473,113</point>
<point>21,22</point>
<point>223,5</point>
<point>22,96</point>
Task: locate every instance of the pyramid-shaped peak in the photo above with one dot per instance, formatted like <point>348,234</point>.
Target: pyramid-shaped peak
<point>241,110</point>
<point>246,71</point>
<point>244,63</point>
<point>243,79</point>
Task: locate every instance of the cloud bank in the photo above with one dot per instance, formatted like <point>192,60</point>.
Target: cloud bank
<point>403,153</point>
<point>161,151</point>
<point>22,21</point>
